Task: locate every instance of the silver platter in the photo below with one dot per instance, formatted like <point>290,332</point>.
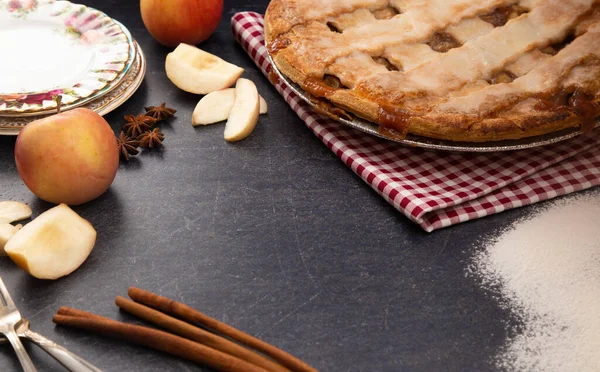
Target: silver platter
<point>435,144</point>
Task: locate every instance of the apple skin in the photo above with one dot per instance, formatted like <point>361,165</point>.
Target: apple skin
<point>70,158</point>
<point>172,22</point>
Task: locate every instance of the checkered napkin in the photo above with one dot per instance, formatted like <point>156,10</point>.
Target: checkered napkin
<point>438,189</point>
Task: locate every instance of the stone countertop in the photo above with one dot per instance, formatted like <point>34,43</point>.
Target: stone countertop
<point>273,235</point>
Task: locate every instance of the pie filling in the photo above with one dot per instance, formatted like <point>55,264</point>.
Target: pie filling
<point>279,44</point>
<point>499,16</point>
<point>442,42</point>
<point>510,65</point>
<point>583,105</point>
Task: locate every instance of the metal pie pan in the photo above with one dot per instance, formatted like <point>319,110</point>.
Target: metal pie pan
<point>436,144</point>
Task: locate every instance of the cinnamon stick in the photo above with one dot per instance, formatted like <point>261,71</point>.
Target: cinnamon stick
<point>192,315</point>
<point>197,334</point>
<point>154,339</point>
<point>69,311</point>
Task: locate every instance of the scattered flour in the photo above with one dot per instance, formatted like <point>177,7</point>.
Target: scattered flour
<point>546,270</point>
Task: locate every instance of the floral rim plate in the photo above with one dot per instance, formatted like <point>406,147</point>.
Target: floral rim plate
<point>11,126</point>
<point>52,48</point>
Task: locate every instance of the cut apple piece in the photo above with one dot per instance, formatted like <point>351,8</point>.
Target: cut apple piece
<point>216,106</point>
<point>53,245</point>
<point>244,113</point>
<point>263,105</point>
<point>11,211</point>
<point>6,232</point>
<point>197,71</point>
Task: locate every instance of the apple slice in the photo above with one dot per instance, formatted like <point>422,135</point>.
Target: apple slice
<point>263,105</point>
<point>11,211</point>
<point>244,113</point>
<point>53,245</point>
<point>6,232</point>
<point>197,71</point>
<point>216,106</point>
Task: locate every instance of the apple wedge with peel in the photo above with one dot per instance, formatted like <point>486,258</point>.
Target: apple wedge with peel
<point>6,232</point>
<point>11,211</point>
<point>216,106</point>
<point>263,105</point>
<point>197,71</point>
<point>53,245</point>
<point>244,113</point>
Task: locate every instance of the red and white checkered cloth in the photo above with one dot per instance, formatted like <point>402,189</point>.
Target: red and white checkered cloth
<point>437,189</point>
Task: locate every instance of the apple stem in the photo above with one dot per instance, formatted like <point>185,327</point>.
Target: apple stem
<point>58,100</point>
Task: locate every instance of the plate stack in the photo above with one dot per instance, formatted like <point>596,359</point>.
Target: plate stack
<point>57,48</point>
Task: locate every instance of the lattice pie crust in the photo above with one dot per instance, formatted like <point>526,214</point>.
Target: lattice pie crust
<point>461,70</point>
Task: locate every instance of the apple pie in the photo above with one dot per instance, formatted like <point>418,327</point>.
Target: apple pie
<point>459,70</point>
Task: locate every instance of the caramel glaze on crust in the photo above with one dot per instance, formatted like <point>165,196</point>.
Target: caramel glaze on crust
<point>443,116</point>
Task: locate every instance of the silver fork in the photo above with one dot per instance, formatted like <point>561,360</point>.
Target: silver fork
<point>9,318</point>
<point>69,360</point>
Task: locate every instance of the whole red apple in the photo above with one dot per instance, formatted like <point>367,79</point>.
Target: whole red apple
<point>70,158</point>
<point>172,22</point>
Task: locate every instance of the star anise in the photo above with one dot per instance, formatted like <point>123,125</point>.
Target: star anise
<point>127,146</point>
<point>161,112</point>
<point>138,124</point>
<point>151,139</point>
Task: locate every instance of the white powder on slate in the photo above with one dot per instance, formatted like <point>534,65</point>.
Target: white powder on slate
<point>546,270</point>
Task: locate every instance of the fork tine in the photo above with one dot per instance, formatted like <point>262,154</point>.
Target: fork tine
<point>6,295</point>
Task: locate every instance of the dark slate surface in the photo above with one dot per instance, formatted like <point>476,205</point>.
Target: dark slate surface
<point>273,235</point>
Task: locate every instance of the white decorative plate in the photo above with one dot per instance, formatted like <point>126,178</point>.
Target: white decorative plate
<point>54,48</point>
<point>12,125</point>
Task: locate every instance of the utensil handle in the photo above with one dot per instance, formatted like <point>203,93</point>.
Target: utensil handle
<point>26,362</point>
<point>69,360</point>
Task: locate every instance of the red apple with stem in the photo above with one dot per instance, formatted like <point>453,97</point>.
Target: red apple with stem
<point>172,22</point>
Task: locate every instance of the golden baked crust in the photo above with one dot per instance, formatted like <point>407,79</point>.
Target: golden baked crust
<point>460,70</point>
